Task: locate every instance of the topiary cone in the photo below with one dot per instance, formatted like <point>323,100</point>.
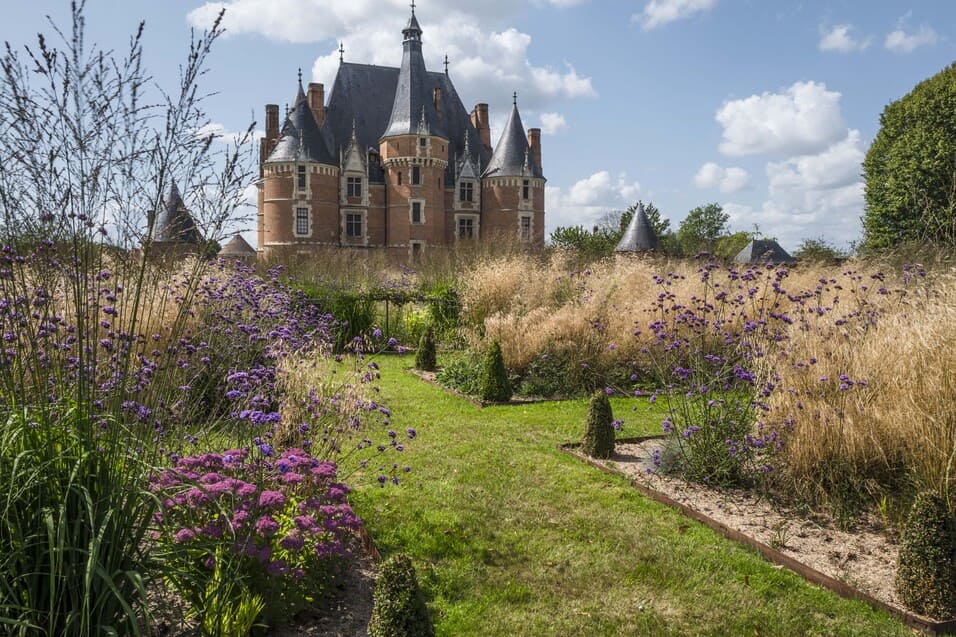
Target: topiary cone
<point>495,386</point>
<point>425,358</point>
<point>398,606</point>
<point>598,431</point>
<point>926,570</point>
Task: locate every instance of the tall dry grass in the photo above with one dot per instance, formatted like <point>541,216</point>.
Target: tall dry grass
<point>895,333</point>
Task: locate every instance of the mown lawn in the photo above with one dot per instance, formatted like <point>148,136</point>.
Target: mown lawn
<point>512,537</point>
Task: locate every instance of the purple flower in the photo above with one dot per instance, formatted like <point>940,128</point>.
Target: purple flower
<point>266,526</point>
<point>271,499</point>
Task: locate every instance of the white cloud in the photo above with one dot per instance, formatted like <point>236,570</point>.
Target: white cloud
<point>810,195</point>
<point>660,12</point>
<point>803,119</point>
<point>899,41</point>
<point>552,123</point>
<point>488,60</point>
<point>728,180</point>
<point>584,202</point>
<point>226,136</point>
<point>840,39</point>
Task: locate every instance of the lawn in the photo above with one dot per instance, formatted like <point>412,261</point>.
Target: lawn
<point>512,537</point>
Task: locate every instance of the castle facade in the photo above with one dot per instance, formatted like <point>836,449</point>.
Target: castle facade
<point>393,160</point>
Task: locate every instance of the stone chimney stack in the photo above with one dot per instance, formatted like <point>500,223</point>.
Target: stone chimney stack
<point>272,132</point>
<point>317,102</point>
<point>479,118</point>
<point>534,140</point>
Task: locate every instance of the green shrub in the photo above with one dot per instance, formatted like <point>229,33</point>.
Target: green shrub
<point>926,572</point>
<point>495,384</point>
<point>398,608</point>
<point>425,356</point>
<point>463,374</point>
<point>598,431</point>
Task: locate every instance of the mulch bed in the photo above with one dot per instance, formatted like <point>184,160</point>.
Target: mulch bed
<point>817,541</point>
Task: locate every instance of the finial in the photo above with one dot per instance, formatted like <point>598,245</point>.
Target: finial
<point>446,64</point>
<point>413,7</point>
<point>515,98</point>
<point>300,75</point>
<point>341,52</point>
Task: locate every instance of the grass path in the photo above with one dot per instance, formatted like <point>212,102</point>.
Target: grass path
<point>512,537</point>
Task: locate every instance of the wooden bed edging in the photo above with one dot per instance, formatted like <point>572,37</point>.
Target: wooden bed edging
<point>839,587</point>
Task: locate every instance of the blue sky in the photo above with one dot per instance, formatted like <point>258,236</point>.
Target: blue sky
<point>765,107</point>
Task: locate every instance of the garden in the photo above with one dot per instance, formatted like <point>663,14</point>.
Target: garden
<point>200,447</point>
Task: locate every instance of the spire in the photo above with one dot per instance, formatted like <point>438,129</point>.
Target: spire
<point>467,167</point>
<point>513,156</point>
<point>174,200</point>
<point>300,94</point>
<point>639,235</point>
<point>301,139</point>
<point>174,224</point>
<point>414,99</point>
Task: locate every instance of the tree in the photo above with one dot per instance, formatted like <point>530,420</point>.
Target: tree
<point>607,232</point>
<point>818,250</point>
<point>910,169</point>
<point>701,229</point>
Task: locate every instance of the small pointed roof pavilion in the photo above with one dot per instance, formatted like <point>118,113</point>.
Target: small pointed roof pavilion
<point>639,235</point>
<point>238,248</point>
<point>764,251</point>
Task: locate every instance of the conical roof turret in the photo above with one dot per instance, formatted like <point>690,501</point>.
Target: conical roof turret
<point>639,236</point>
<point>513,156</point>
<point>413,110</point>
<point>301,139</point>
<point>173,223</point>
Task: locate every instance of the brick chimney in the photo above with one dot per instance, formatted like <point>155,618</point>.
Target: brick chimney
<point>272,131</point>
<point>534,140</point>
<point>317,102</point>
<point>479,118</point>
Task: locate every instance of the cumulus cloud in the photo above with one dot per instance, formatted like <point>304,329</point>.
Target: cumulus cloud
<point>728,180</point>
<point>226,136</point>
<point>811,195</point>
<point>488,60</point>
<point>899,41</point>
<point>552,123</point>
<point>840,39</point>
<point>803,119</point>
<point>660,12</point>
<point>584,202</point>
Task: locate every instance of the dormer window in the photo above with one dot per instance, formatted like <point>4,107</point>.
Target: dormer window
<point>354,186</point>
<point>466,191</point>
<point>423,142</point>
<point>300,177</point>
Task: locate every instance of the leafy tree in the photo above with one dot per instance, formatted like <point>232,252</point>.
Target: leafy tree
<point>604,237</point>
<point>701,229</point>
<point>818,250</point>
<point>910,169</point>
<point>589,244</point>
<point>730,245</point>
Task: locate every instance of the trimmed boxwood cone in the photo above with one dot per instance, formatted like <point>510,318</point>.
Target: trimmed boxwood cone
<point>398,606</point>
<point>598,431</point>
<point>926,570</point>
<point>425,358</point>
<point>495,386</point>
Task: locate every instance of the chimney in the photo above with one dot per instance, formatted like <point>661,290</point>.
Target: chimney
<point>534,140</point>
<point>317,102</point>
<point>272,122</point>
<point>479,118</point>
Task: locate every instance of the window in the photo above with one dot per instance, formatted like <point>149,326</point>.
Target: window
<point>423,142</point>
<point>416,250</point>
<point>353,225</point>
<point>302,221</point>
<point>354,186</point>
<point>300,184</point>
<point>466,228</point>
<point>526,228</point>
<point>467,191</point>
<point>526,190</point>
<point>416,212</point>
<point>399,178</point>
<point>416,175</point>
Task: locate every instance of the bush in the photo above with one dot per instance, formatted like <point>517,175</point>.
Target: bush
<point>495,385</point>
<point>926,573</point>
<point>598,431</point>
<point>425,356</point>
<point>463,375</point>
<point>398,604</point>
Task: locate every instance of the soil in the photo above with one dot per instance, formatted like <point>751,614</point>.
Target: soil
<point>864,557</point>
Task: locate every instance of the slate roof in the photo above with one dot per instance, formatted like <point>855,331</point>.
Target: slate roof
<point>366,93</point>
<point>763,251</point>
<point>513,156</point>
<point>639,235</point>
<point>173,223</point>
<point>301,140</point>
<point>237,247</point>
<point>413,107</point>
